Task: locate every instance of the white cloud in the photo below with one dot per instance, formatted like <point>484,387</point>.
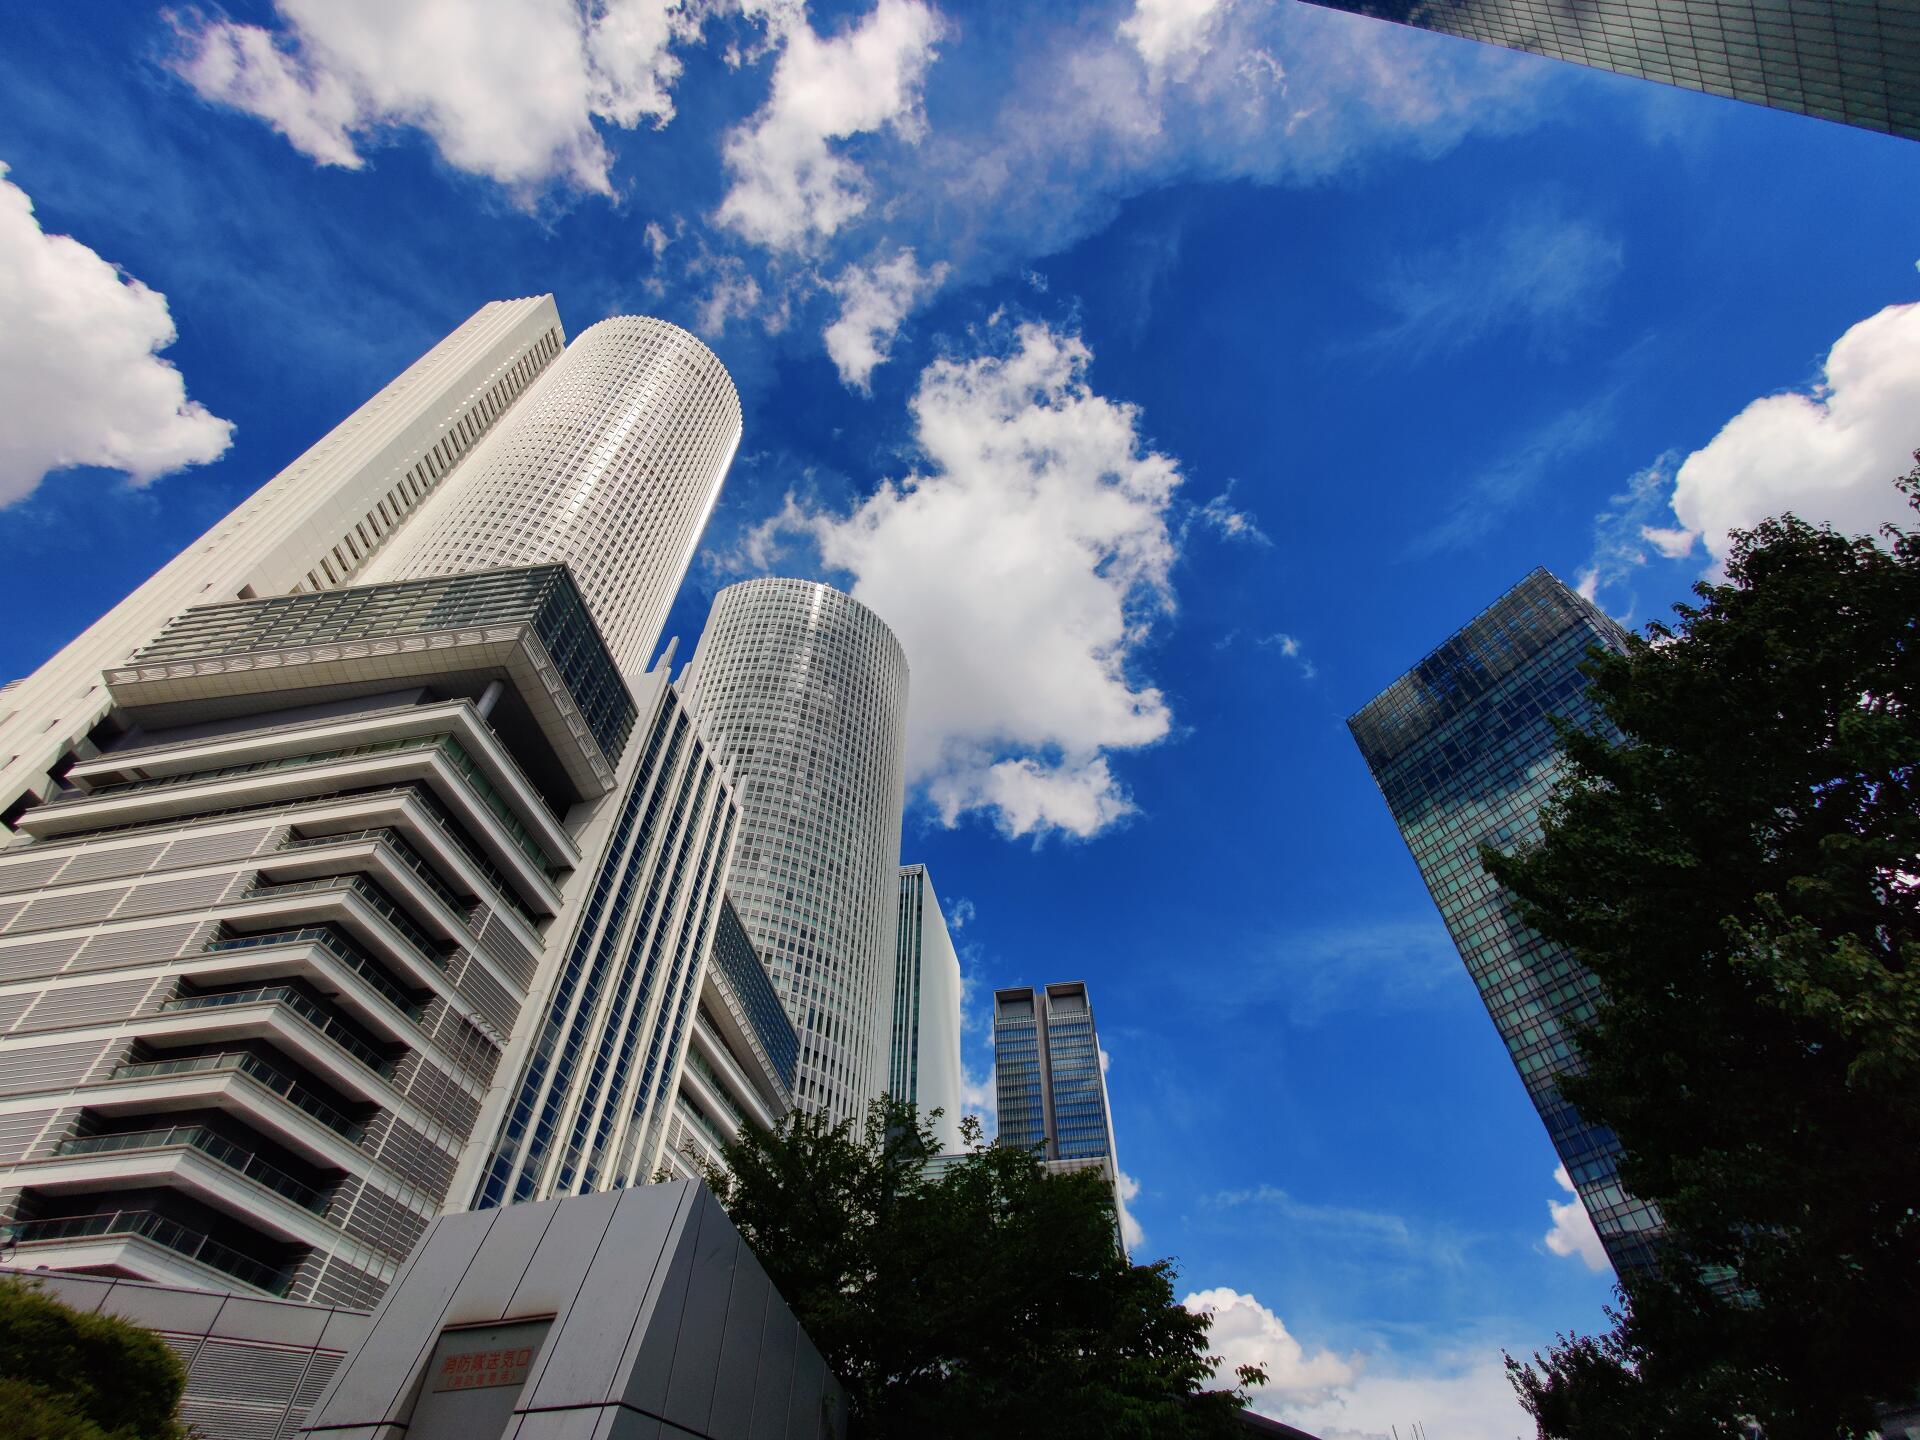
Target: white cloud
<point>81,380</point>
<point>1233,524</point>
<point>1573,1233</point>
<point>511,96</point>
<point>732,293</point>
<point>1245,1332</point>
<point>1461,1396</point>
<point>1126,1190</point>
<point>789,184</point>
<point>1020,572</point>
<point>961,914</point>
<point>874,302</point>
<point>1829,455</point>
<point>1170,33</point>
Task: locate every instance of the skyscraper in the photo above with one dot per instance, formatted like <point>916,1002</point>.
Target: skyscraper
<point>313,526</point>
<point>1856,61</point>
<point>1464,750</point>
<point>613,462</point>
<point>284,925</point>
<point>802,692</point>
<point>1051,1093</point>
<point>925,1055</point>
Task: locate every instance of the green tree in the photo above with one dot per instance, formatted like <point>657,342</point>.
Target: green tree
<point>988,1298</point>
<point>65,1375</point>
<point>1735,858</point>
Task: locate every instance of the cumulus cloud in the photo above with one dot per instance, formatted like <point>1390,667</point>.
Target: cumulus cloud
<point>1573,1233</point>
<point>789,184</point>
<point>1021,572</point>
<point>1245,1332</point>
<point>1828,454</point>
<point>1220,516</point>
<point>1461,1396</point>
<point>1169,33</point>
<point>80,372</point>
<point>874,302</point>
<point>513,97</point>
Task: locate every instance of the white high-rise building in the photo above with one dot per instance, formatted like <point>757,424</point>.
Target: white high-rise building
<point>613,463</point>
<point>925,1068</point>
<point>317,873</point>
<point>802,691</point>
<point>313,526</point>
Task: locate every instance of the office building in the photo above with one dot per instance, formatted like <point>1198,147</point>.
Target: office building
<point>1463,749</point>
<point>362,798</point>
<point>1050,1089</point>
<point>1856,61</point>
<point>802,692</point>
<point>613,462</point>
<point>640,1028</point>
<point>924,1066</point>
<point>314,526</point>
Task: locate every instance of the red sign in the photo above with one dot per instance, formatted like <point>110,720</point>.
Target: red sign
<point>480,1369</point>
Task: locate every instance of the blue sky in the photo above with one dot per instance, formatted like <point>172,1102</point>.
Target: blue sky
<point>1171,374</point>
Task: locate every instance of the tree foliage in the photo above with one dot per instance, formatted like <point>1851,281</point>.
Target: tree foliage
<point>986,1298</point>
<point>65,1375</point>
<point>1736,860</point>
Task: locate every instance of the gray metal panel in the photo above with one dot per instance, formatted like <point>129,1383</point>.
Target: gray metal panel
<point>345,1329</point>
<point>587,1360</point>
<point>373,1383</point>
<point>189,1312</point>
<point>560,1265</point>
<point>487,1287</point>
<point>772,1393</point>
<point>555,1425</point>
<point>82,1292</point>
<point>651,1360</point>
<point>739,1363</point>
<point>703,1320</point>
<point>809,1386</point>
<point>282,1324</point>
<point>619,1423</point>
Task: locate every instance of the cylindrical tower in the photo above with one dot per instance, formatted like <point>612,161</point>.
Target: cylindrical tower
<point>611,464</point>
<point>803,692</point>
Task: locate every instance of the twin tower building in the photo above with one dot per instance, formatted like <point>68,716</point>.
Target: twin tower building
<point>362,864</point>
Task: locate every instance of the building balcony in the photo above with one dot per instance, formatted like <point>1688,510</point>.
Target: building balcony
<point>223,1152</point>
<point>248,1013</point>
<point>447,747</point>
<point>146,1244</point>
<point>209,1078</point>
<point>271,954</point>
<point>520,642</point>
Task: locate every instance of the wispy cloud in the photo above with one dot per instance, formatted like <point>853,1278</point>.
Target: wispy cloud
<point>1488,497</point>
<point>1537,272</point>
<point>1374,967</point>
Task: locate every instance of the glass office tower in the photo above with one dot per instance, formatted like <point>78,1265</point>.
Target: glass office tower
<point>1856,61</point>
<point>925,1060</point>
<point>1463,748</point>
<point>1050,1093</point>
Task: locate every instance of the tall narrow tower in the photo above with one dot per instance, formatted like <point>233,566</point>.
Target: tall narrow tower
<point>1464,750</point>
<point>612,464</point>
<point>925,1060</point>
<point>803,692</point>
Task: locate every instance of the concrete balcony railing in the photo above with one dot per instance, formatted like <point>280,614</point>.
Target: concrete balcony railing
<point>242,1062</point>
<point>336,945</point>
<point>287,1000</point>
<point>35,1236</point>
<point>224,1152</point>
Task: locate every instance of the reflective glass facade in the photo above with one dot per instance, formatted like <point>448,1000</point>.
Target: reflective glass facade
<point>733,952</point>
<point>1046,1067</point>
<point>1463,748</point>
<point>1856,61</point>
<point>541,596</point>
